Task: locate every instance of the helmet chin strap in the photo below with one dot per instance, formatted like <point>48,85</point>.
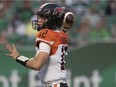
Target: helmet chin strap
<point>39,28</point>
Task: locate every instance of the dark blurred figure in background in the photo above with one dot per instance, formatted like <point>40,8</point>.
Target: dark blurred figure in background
<point>111,8</point>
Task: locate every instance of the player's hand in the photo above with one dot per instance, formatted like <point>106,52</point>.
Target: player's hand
<point>13,51</point>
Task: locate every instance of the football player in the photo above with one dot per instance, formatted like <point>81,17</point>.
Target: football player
<point>51,47</point>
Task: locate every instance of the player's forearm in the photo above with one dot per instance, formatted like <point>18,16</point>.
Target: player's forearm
<point>38,61</point>
<point>33,64</point>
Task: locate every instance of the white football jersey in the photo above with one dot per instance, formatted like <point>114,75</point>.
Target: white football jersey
<point>53,69</point>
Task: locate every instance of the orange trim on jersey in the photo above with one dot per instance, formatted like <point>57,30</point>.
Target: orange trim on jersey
<point>37,43</point>
<point>49,42</point>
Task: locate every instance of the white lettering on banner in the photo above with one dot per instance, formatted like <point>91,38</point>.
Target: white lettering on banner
<point>14,78</point>
<point>95,80</point>
<point>33,81</point>
<point>81,79</point>
<point>4,81</point>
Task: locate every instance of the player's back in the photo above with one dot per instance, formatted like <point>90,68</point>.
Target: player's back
<point>54,68</point>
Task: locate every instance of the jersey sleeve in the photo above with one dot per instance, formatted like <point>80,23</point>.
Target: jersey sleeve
<point>46,36</point>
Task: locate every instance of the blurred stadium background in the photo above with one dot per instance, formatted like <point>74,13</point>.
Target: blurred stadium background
<point>92,49</point>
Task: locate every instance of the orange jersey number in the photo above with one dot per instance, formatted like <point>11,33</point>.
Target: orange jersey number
<point>42,33</point>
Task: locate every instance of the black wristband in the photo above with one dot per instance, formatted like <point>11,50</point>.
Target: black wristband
<point>22,60</point>
<point>17,56</point>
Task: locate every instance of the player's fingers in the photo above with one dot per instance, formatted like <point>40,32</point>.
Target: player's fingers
<point>14,47</point>
<point>9,55</point>
<point>9,48</point>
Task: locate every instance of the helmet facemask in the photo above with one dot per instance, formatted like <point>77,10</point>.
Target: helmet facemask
<point>39,23</point>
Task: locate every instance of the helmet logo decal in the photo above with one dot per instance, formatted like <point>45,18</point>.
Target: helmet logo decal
<point>58,11</point>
